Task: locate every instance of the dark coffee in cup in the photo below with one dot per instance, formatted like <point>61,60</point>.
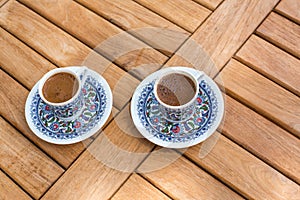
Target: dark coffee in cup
<point>60,87</point>
<point>176,89</point>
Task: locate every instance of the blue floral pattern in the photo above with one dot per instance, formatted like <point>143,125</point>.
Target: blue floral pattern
<point>52,126</point>
<point>151,117</point>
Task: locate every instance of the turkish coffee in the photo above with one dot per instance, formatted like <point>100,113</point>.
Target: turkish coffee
<point>60,87</point>
<point>176,89</point>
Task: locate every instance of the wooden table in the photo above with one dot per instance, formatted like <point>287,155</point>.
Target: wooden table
<point>255,46</point>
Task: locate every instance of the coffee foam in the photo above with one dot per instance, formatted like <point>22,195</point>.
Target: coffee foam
<point>176,89</point>
<point>60,87</point>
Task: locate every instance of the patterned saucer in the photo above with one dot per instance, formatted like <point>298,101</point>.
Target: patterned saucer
<point>153,126</point>
<point>46,125</point>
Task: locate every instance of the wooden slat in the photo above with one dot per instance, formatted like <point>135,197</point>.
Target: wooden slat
<point>179,12</point>
<point>118,46</point>
<point>18,56</point>
<point>155,30</point>
<point>122,85</point>
<point>13,97</point>
<point>66,16</point>
<point>290,9</point>
<point>182,179</point>
<point>262,138</point>
<point>27,165</point>
<point>9,190</point>
<point>244,172</point>
<point>222,34</point>
<point>137,188</point>
<point>89,177</point>
<point>272,62</point>
<point>282,32</point>
<point>62,49</point>
<point>2,2</point>
<point>44,37</point>
<point>263,95</point>
<point>211,4</point>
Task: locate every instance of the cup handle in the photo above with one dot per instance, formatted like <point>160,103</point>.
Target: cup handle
<point>82,73</point>
<point>199,75</point>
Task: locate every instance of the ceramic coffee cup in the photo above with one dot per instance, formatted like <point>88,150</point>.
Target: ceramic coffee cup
<point>71,107</point>
<point>185,89</point>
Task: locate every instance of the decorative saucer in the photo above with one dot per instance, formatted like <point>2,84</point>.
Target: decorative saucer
<point>47,126</point>
<point>152,125</point>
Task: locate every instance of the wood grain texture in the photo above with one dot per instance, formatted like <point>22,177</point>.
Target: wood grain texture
<point>258,159</point>
<point>13,97</point>
<point>281,32</point>
<point>122,85</point>
<point>26,164</point>
<point>182,179</point>
<point>9,190</point>
<point>138,188</point>
<point>263,95</point>
<point>211,4</point>
<point>262,138</point>
<point>87,178</point>
<point>244,172</point>
<point>17,56</point>
<point>55,44</point>
<point>272,62</point>
<point>141,22</point>
<point>105,165</point>
<point>44,37</point>
<point>115,44</point>
<point>75,19</point>
<point>114,112</point>
<point>2,2</point>
<point>290,9</point>
<point>222,34</point>
<point>179,12</point>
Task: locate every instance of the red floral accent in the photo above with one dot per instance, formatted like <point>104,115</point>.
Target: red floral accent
<point>176,129</point>
<point>199,119</point>
<point>77,124</point>
<point>199,100</point>
<point>55,126</point>
<point>84,90</point>
<point>93,107</point>
<point>47,107</point>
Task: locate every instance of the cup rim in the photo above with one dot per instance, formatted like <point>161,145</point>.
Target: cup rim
<point>190,75</point>
<point>52,73</point>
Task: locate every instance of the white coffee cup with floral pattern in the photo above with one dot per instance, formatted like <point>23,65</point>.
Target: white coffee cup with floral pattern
<point>71,107</point>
